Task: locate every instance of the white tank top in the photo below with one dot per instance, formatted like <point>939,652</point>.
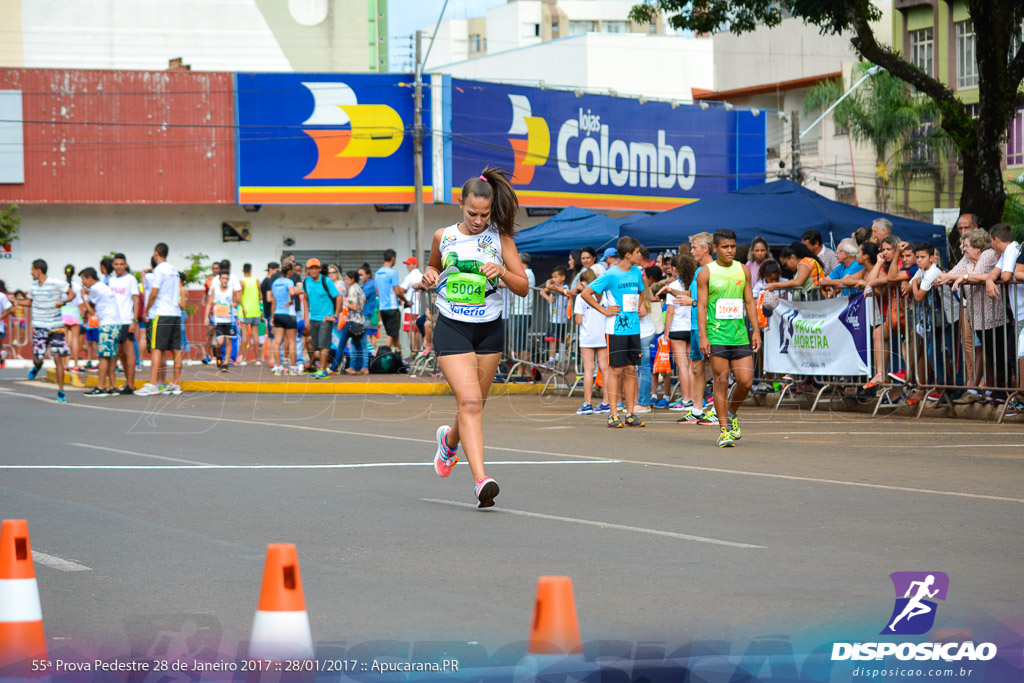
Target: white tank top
<point>462,292</point>
<point>222,304</point>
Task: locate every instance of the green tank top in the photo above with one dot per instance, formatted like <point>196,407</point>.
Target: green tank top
<point>726,324</point>
<point>250,302</point>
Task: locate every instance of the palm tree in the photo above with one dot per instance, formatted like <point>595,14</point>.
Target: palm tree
<point>901,128</point>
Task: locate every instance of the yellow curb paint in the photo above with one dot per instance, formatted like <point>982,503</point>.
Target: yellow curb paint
<point>303,387</point>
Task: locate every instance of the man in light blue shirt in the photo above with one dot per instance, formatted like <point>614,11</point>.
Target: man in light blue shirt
<point>389,291</point>
<point>846,252</point>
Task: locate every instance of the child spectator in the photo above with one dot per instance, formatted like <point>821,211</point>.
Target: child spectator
<point>556,294</point>
<point>593,346</point>
<point>648,331</point>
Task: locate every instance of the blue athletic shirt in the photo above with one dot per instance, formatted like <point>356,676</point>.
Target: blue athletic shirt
<point>321,299</point>
<point>693,294</point>
<point>386,279</point>
<point>624,287</point>
<point>282,299</point>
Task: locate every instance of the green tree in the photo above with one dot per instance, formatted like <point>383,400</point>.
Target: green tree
<point>885,114</point>
<point>1013,212</point>
<point>1000,70</point>
<point>9,223</point>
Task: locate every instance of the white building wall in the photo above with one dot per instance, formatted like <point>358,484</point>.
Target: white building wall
<point>450,45</point>
<point>505,25</point>
<point>656,66</point>
<point>82,234</point>
<point>209,35</point>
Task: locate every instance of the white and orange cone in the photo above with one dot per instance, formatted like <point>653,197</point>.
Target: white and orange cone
<point>21,616</point>
<point>280,629</point>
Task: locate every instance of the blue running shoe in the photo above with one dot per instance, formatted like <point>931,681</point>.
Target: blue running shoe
<point>33,372</point>
<point>603,409</point>
<point>61,398</point>
<point>585,409</point>
<point>662,403</point>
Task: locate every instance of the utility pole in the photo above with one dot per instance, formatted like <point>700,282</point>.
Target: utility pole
<point>797,174</point>
<point>417,137</point>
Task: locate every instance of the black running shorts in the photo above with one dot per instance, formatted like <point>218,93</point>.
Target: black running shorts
<point>732,352</point>
<point>452,337</point>
<point>392,321</point>
<point>165,333</point>
<point>623,350</point>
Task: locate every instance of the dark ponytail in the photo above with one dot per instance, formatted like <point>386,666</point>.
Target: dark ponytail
<point>494,184</point>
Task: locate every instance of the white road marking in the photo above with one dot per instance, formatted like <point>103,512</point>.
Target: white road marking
<point>58,563</point>
<point>836,482</point>
<point>603,525</point>
<point>141,455</point>
<point>328,466</point>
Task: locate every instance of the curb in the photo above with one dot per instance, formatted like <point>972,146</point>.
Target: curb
<point>303,386</point>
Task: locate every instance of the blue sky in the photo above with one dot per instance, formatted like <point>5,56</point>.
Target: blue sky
<point>405,17</point>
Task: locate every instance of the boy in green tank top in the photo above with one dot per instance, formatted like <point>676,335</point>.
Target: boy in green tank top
<point>725,302</point>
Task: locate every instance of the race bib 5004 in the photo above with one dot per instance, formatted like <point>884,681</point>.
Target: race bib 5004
<point>465,288</point>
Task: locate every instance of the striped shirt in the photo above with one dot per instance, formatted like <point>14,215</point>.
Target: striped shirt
<point>45,297</point>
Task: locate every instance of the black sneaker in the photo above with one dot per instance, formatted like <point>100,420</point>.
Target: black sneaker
<point>126,390</point>
<point>113,392</point>
<point>96,392</point>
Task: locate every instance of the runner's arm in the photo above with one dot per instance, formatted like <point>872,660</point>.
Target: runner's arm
<point>432,273</point>
<point>513,272</point>
<point>702,311</point>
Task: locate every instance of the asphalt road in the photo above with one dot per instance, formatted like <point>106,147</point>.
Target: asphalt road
<point>795,530</point>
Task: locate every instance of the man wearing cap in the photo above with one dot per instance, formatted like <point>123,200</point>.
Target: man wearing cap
<point>611,257</point>
<point>321,307</point>
<point>389,293</point>
<point>411,299</point>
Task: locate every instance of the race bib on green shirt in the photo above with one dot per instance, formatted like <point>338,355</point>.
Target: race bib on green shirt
<point>465,288</point>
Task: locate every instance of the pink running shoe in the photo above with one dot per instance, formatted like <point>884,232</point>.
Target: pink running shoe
<point>486,489</point>
<point>445,458</point>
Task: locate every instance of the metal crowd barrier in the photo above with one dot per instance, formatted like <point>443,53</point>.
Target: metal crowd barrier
<point>945,345</point>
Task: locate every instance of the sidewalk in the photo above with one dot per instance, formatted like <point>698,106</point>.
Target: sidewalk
<point>254,379</point>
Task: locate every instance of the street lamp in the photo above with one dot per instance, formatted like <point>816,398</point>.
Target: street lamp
<point>867,74</point>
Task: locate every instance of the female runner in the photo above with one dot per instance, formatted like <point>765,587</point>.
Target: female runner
<point>466,262</point>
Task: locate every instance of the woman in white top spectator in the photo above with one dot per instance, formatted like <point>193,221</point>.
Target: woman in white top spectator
<point>593,345</point>
<point>759,253</point>
<point>986,315</point>
<point>677,322</point>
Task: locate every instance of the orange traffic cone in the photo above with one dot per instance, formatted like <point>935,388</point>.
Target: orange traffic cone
<point>21,617</point>
<point>280,629</point>
<point>555,628</point>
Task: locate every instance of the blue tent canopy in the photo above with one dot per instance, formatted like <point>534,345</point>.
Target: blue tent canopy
<point>779,211</point>
<point>572,228</point>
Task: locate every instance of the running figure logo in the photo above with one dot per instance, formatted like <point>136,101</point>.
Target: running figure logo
<point>914,612</point>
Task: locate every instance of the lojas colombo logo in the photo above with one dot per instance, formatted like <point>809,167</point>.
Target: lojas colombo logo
<point>913,614</point>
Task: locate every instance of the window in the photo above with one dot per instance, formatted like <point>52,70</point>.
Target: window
<point>921,50</point>
<point>1015,42</point>
<point>474,42</point>
<point>577,27</point>
<point>653,28</point>
<point>554,28</point>
<point>615,27</point>
<point>966,58</point>
<point>1015,140</point>
<point>531,30</point>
